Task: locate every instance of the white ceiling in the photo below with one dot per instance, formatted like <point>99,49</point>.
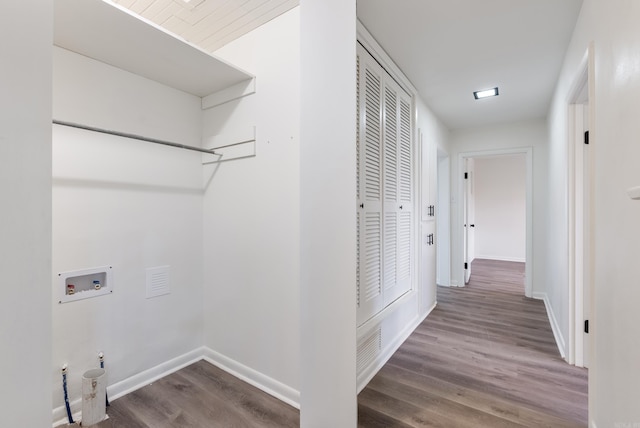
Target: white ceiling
<point>447,48</point>
<point>450,48</point>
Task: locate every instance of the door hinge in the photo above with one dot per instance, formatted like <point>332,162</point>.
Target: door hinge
<point>466,266</point>
<point>586,137</point>
<point>466,175</point>
<point>586,326</point>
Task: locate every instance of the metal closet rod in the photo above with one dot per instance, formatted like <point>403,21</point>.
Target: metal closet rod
<point>139,137</point>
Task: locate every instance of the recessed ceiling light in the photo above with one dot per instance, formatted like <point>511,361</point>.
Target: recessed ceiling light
<point>493,92</point>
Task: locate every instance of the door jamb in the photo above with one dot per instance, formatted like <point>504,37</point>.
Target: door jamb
<point>578,265</point>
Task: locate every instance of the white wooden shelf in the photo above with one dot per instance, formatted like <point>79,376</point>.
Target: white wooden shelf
<point>112,34</point>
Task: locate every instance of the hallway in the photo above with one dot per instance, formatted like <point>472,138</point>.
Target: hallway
<point>485,357</point>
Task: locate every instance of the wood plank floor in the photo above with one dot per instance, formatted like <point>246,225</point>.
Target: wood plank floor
<point>199,396</point>
<point>485,357</point>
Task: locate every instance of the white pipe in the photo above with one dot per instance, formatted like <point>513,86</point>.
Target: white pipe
<point>93,396</point>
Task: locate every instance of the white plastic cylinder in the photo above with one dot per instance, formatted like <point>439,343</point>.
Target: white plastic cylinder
<point>94,396</point>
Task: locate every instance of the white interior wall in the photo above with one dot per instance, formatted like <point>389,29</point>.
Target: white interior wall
<point>436,138</point>
<point>127,204</point>
<point>500,207</point>
<point>519,135</point>
<point>25,226</point>
<point>251,215</point>
<point>327,213</point>
<point>613,373</point>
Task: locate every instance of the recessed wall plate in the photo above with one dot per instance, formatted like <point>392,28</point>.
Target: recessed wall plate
<point>85,283</point>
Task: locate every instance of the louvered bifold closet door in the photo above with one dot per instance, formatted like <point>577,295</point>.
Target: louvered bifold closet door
<point>385,202</point>
<point>397,192</point>
<point>370,297</point>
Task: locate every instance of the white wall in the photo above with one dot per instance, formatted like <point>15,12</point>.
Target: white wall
<point>327,213</point>
<point>500,207</point>
<point>436,139</point>
<point>613,375</point>
<point>251,214</point>
<point>514,136</point>
<point>25,217</point>
<point>127,204</point>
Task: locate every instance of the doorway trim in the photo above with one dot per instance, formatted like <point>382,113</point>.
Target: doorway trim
<point>443,219</point>
<point>528,152</point>
<point>580,223</point>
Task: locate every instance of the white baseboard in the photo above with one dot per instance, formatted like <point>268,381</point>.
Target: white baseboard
<point>369,372</point>
<point>242,372</point>
<point>555,327</point>
<point>131,384</point>
<point>253,377</point>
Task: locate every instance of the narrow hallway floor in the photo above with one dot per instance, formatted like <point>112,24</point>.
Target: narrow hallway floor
<point>485,357</point>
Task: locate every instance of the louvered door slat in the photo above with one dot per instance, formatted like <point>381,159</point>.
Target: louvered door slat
<point>372,155</point>
<point>370,164</point>
<point>358,144</point>
<point>404,247</point>
<point>358,135</point>
<point>372,253</point>
<point>390,146</point>
<point>405,151</point>
<point>390,249</point>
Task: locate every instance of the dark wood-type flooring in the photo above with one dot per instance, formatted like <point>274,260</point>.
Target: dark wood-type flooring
<point>485,357</point>
<point>199,396</point>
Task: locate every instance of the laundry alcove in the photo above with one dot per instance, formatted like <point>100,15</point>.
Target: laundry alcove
<point>121,202</point>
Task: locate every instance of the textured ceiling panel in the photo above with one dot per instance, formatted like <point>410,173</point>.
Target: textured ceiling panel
<point>209,24</point>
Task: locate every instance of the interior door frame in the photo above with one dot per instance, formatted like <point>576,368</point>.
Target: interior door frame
<point>580,211</point>
<point>528,152</point>
<point>466,228</point>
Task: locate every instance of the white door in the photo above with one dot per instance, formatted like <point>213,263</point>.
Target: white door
<point>397,190</point>
<point>369,191</point>
<point>587,261</point>
<point>582,260</point>
<point>385,189</point>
